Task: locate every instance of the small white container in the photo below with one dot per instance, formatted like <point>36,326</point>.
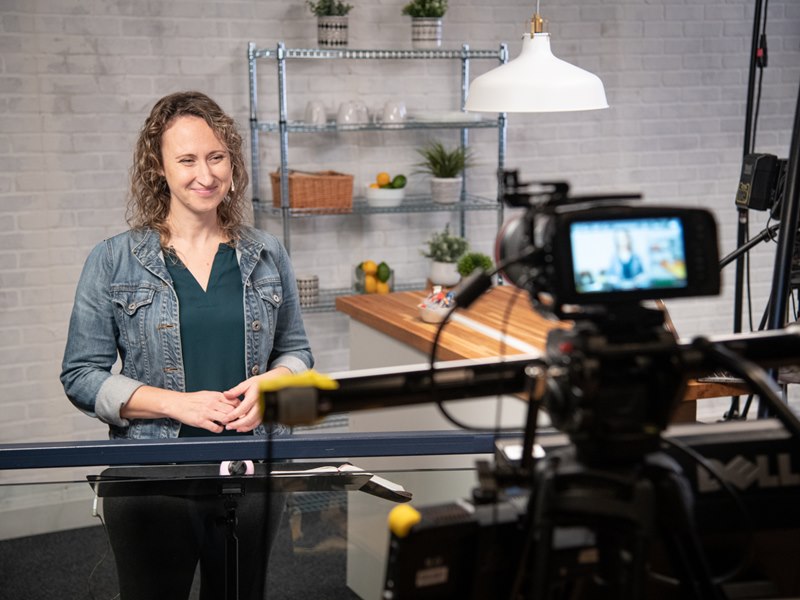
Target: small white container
<point>384,197</point>
<point>433,315</point>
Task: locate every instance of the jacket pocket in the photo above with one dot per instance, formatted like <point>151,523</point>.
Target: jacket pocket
<point>135,314</point>
<point>131,300</point>
<point>271,293</point>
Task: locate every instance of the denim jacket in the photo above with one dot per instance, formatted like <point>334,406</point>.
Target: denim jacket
<point>126,307</point>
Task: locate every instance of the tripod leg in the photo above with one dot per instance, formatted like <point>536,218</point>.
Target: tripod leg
<point>231,553</point>
<point>681,540</point>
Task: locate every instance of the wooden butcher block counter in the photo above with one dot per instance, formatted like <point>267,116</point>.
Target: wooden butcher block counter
<point>501,322</point>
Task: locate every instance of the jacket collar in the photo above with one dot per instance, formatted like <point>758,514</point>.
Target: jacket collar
<point>146,247</point>
<point>248,250</point>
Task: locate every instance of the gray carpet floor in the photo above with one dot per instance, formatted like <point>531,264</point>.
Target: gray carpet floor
<point>78,564</point>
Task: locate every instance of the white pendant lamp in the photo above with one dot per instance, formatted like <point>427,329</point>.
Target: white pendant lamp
<point>536,81</point>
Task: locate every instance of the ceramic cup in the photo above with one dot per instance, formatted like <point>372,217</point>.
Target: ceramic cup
<point>362,114</point>
<point>315,113</point>
<point>394,111</point>
<point>348,114</point>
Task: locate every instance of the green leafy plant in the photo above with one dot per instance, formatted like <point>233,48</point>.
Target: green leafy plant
<point>329,8</point>
<point>441,162</point>
<point>443,246</point>
<point>426,8</point>
<point>474,260</point>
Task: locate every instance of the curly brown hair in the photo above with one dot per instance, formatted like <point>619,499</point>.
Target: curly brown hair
<point>149,202</point>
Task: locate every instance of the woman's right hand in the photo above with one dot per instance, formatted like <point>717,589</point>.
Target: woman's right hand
<point>205,409</point>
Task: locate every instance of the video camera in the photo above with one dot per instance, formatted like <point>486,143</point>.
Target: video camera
<point>604,250</point>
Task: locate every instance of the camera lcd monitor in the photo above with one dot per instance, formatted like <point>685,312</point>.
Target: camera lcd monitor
<point>621,255</point>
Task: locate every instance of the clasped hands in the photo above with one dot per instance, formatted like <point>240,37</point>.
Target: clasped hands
<point>237,409</point>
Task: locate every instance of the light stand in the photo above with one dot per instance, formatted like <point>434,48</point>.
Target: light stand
<point>790,212</point>
<point>742,232</point>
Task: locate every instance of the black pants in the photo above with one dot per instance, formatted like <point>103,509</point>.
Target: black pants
<point>158,541</point>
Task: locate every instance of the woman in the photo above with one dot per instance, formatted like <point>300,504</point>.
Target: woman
<point>199,308</point>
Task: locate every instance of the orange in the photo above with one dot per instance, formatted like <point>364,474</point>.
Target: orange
<point>382,287</point>
<point>383,179</point>
<point>370,284</point>
<point>374,185</point>
<point>369,267</point>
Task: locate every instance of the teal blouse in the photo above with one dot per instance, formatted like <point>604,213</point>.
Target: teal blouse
<point>211,326</point>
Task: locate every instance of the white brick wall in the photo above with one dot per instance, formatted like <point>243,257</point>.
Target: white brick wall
<point>77,78</point>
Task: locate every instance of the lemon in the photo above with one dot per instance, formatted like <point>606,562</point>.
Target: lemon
<point>382,287</point>
<point>374,186</point>
<point>383,272</point>
<point>369,267</point>
<point>383,179</point>
<point>370,284</point>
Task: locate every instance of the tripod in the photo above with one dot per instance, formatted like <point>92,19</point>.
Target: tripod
<point>624,509</point>
<point>611,390</point>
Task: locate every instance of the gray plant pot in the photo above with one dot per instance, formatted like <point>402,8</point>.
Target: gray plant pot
<point>446,190</point>
<point>332,32</point>
<point>444,273</point>
<point>426,33</point>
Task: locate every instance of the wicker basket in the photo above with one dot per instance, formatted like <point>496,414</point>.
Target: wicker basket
<point>327,191</point>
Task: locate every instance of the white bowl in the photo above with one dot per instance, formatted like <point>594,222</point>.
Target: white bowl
<point>433,315</point>
<point>385,197</point>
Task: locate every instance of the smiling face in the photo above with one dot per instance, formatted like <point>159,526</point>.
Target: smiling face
<point>197,167</point>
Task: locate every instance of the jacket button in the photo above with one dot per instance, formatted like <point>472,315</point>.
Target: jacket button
<point>247,283</point>
<point>276,297</point>
<point>256,325</point>
<point>131,306</point>
<point>254,370</point>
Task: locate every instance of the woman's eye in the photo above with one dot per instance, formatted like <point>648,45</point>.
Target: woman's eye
<point>186,161</point>
<point>218,157</point>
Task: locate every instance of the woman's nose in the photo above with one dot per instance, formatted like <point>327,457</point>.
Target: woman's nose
<point>205,175</point>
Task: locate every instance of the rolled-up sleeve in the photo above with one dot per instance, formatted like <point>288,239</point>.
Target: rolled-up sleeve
<point>291,348</point>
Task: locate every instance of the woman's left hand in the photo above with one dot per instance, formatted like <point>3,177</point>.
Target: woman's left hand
<point>249,414</point>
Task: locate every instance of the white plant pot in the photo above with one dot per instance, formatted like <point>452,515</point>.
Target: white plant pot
<point>445,190</point>
<point>426,33</point>
<point>443,273</point>
<point>332,32</point>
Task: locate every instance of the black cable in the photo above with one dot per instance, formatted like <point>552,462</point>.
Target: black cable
<point>749,532</point>
<point>434,346</point>
<point>101,561</point>
<point>440,403</point>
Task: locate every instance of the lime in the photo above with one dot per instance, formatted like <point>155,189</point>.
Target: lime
<point>399,181</point>
<point>384,272</point>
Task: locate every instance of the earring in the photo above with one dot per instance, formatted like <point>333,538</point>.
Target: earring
<point>233,182</point>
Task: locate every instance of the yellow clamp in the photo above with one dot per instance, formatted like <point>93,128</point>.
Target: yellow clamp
<point>310,378</point>
<point>402,518</point>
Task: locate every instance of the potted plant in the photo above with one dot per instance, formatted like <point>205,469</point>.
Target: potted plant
<point>426,22</point>
<point>445,167</point>
<point>474,260</point>
<point>444,249</point>
<point>331,22</point>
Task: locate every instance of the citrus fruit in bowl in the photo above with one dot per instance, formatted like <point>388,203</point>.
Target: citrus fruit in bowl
<point>370,277</point>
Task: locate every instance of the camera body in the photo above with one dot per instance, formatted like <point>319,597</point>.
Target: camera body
<point>607,253</point>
